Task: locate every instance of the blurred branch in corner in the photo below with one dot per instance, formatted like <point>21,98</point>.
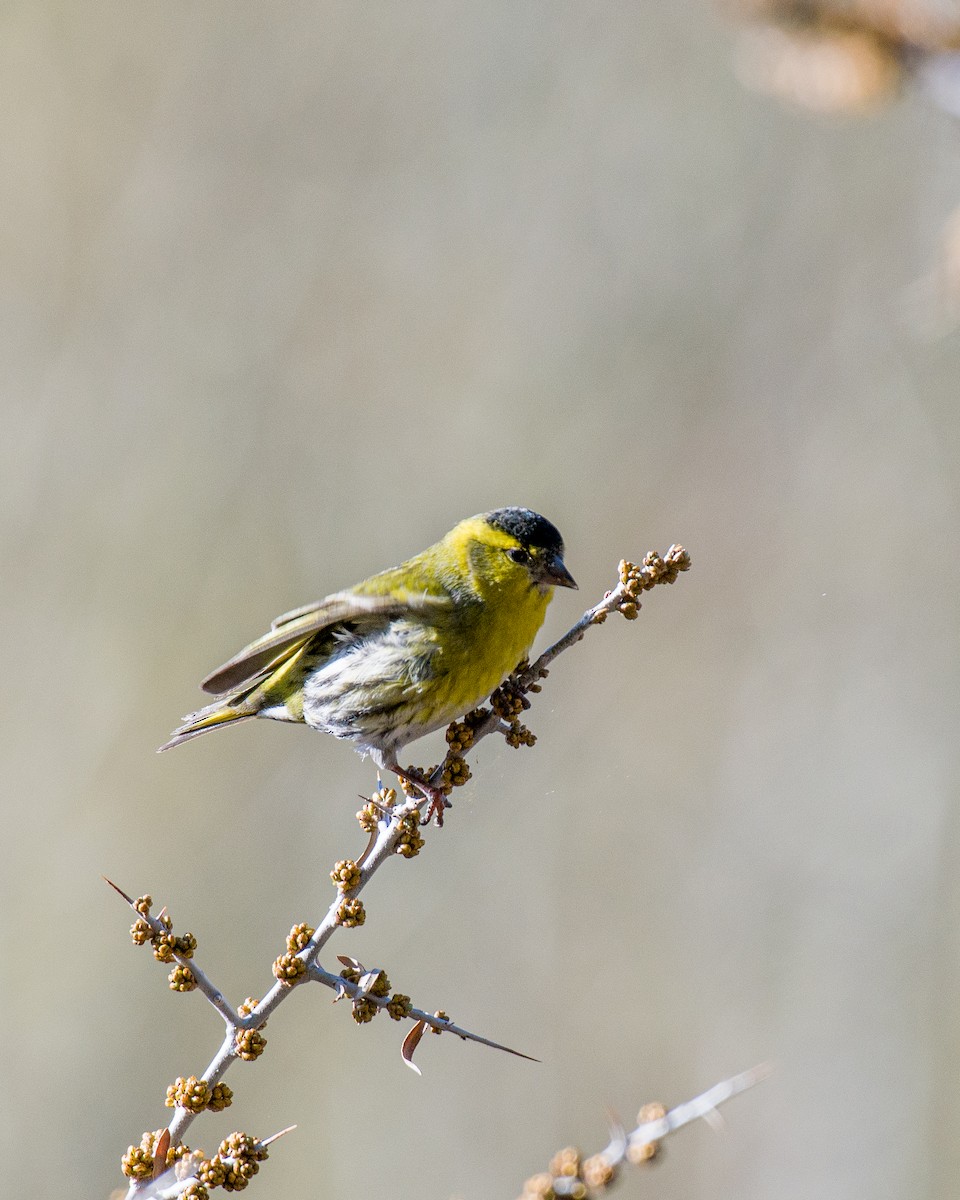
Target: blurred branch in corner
<point>853,57</point>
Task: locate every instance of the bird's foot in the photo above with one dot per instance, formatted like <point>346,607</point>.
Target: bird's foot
<point>436,796</point>
<point>438,802</point>
<point>416,781</point>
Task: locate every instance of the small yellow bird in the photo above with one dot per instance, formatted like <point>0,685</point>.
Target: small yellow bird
<point>404,652</point>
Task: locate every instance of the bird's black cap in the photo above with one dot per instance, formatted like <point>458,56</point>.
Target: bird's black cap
<point>528,527</point>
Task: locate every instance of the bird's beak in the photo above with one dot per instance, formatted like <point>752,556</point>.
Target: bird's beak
<point>555,572</point>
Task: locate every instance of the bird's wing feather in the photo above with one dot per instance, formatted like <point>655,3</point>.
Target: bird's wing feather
<point>292,615</point>
<point>291,630</point>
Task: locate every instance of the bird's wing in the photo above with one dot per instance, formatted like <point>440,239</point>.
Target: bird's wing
<point>294,613</point>
<point>289,632</point>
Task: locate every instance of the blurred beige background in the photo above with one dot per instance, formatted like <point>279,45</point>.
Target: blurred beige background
<point>285,290</point>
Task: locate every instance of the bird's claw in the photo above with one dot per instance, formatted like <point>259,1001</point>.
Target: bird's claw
<point>438,802</point>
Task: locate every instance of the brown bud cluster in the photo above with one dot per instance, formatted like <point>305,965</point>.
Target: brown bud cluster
<point>638,1152</point>
<point>182,979</point>
<point>461,734</point>
<point>363,1010</point>
<point>166,945</point>
<point>408,787</point>
<point>138,1162</point>
<point>565,1163</point>
<point>526,678</point>
<point>456,772</point>
<point>345,875</point>
<point>185,945</point>
<point>508,701</point>
<point>212,1172</point>
<point>368,818</point>
<point>289,969</point>
<point>191,1093</point>
<point>538,1187</point>
<point>427,773</point>
<point>399,1006</point>
<point>376,986</point>
<point>519,735</point>
<point>140,931</point>
<point>598,1172</point>
<point>410,842</point>
<point>298,937</point>
<point>221,1097</point>
<point>653,570</point>
<point>250,1044</point>
<point>234,1164</point>
<point>351,913</point>
<point>372,812</point>
<point>571,1175</point>
<point>380,986</point>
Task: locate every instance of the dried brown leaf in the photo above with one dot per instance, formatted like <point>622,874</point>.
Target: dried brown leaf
<point>160,1154</point>
<point>410,1043</point>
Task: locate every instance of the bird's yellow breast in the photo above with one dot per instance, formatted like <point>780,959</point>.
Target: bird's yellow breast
<point>496,615</point>
<point>430,665</point>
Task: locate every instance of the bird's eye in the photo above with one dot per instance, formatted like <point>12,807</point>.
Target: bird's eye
<point>518,556</point>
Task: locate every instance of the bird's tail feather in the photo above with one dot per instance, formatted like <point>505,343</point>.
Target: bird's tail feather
<point>205,720</point>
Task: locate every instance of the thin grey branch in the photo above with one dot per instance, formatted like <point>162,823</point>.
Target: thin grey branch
<point>389,832</point>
